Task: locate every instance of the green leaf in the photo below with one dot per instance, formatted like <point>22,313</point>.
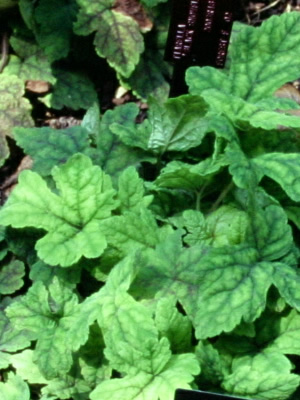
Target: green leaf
<point>148,79</point>
<point>11,277</point>
<point>72,218</point>
<point>50,147</point>
<point>45,273</point>
<point>283,169</point>
<point>32,312</point>
<point>261,115</point>
<point>287,281</point>
<point>135,349</point>
<point>242,169</point>
<point>212,366</point>
<point>243,93</point>
<point>26,368</point>
<point>131,231</point>
<point>178,174</point>
<point>217,288</point>
<point>14,388</point>
<point>117,38</point>
<point>177,328</point>
<point>226,226</point>
<point>265,376</point>
<point>129,132</point>
<point>72,89</point>
<point>48,315</point>
<point>287,334</point>
<point>14,110</point>
<point>269,53</point>
<point>11,340</point>
<point>262,60</point>
<point>91,120</point>
<point>131,191</point>
<point>35,68</point>
<point>178,125</point>
<point>233,278</point>
<point>177,373</point>
<point>53,28</point>
<point>195,224</point>
<point>270,233</point>
<point>113,155</point>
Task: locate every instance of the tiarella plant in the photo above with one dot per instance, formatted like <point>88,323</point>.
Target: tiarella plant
<point>141,258</point>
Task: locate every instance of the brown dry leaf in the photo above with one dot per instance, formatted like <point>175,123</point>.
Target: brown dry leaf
<point>288,91</point>
<point>134,9</point>
<point>38,86</point>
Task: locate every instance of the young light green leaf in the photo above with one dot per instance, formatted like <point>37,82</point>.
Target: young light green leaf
<point>177,373</point>
<point>117,38</point>
<point>26,368</point>
<point>283,169</point>
<point>72,218</point>
<point>11,277</point>
<point>265,376</point>
<point>14,388</point>
<point>178,125</point>
<point>50,147</point>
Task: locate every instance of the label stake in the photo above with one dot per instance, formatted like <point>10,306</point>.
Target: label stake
<point>199,34</point>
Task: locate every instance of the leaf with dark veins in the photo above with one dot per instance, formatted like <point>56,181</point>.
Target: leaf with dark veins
<point>118,37</point>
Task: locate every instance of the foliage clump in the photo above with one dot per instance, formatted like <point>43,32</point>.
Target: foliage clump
<point>163,254</point>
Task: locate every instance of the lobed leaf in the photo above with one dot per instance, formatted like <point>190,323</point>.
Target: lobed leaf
<point>11,277</point>
<point>72,218</point>
<point>51,147</point>
<point>14,388</point>
<point>117,38</point>
<point>266,376</point>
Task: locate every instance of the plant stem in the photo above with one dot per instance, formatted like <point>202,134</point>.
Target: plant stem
<point>4,51</point>
<point>222,196</point>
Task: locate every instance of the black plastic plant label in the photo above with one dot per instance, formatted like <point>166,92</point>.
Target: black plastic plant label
<point>199,32</point>
<point>182,394</point>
